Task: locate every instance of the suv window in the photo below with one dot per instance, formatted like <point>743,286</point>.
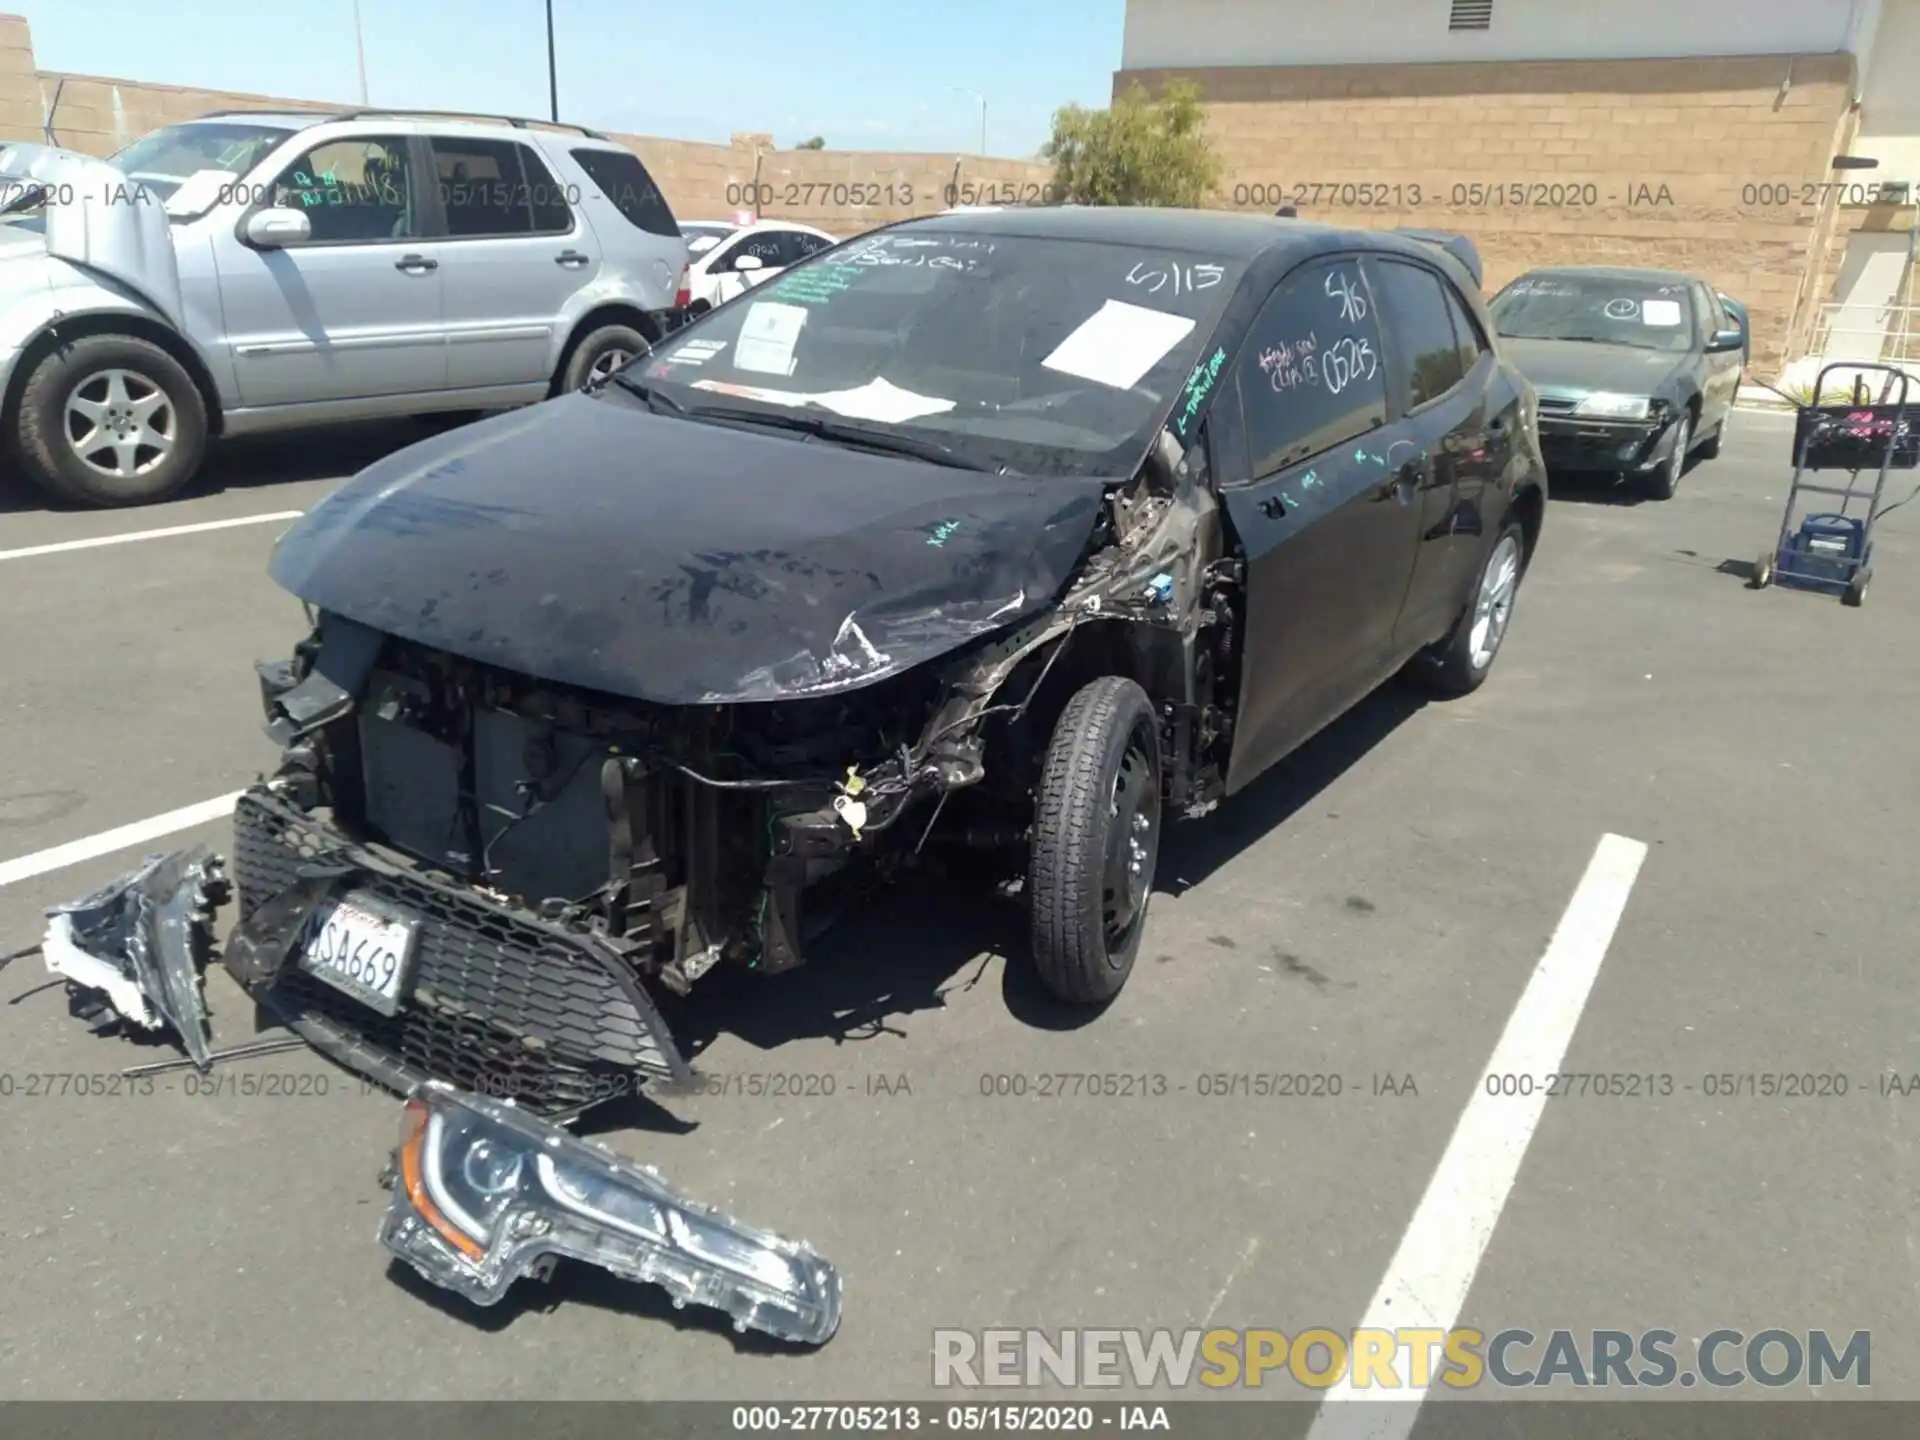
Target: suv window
<point>497,188</point>
<point>626,183</point>
<point>1426,350</point>
<point>1310,376</point>
<point>353,191</point>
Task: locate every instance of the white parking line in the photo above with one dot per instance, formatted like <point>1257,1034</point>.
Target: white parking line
<point>128,539</point>
<point>1433,1270</point>
<point>123,838</point>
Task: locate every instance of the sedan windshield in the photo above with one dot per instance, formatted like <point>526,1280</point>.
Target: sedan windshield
<point>1042,356</point>
<point>1608,310</point>
<point>166,159</point>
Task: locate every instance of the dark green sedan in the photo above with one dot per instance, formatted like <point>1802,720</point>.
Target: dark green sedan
<point>1635,370</point>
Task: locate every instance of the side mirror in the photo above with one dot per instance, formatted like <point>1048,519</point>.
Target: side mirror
<point>1727,340</point>
<point>271,229</point>
<point>749,262</point>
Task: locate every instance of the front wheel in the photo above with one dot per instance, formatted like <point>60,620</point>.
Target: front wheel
<point>1665,481</point>
<point>111,420</point>
<point>1095,841</point>
<point>1460,663</point>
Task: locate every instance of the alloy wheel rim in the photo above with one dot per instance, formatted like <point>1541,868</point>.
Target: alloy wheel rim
<point>606,364</point>
<point>1133,844</point>
<point>120,424</point>
<point>1493,606</point>
<point>1677,462</point>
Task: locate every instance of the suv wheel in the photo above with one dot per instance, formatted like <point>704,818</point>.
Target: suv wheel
<point>111,420</point>
<point>1096,838</point>
<point>1666,480</point>
<point>600,353</point>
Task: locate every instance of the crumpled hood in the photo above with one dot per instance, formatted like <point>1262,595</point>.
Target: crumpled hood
<point>1577,368</point>
<point>101,221</point>
<point>590,542</point>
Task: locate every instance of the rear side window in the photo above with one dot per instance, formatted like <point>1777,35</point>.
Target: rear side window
<point>1426,351</point>
<point>625,181</point>
<point>1310,376</point>
<point>497,188</point>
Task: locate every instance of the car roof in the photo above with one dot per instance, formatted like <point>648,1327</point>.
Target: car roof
<point>1614,272</point>
<point>1221,232</point>
<point>409,121</point>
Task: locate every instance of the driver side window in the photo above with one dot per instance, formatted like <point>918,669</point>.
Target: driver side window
<point>356,191</point>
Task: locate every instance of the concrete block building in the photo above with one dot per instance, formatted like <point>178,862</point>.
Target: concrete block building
<point>1700,134</point>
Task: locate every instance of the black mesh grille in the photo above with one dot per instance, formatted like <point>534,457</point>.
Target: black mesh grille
<point>501,1003</point>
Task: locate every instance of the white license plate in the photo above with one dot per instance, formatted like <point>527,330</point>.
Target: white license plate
<point>364,954</point>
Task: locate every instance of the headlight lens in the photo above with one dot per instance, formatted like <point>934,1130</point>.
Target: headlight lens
<point>1608,405</point>
<point>485,1193</point>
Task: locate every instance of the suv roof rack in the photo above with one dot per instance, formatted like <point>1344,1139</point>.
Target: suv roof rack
<point>363,112</point>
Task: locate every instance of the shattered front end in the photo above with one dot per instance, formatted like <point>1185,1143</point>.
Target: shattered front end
<point>484,1194</point>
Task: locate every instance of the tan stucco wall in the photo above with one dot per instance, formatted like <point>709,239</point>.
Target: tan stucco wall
<point>1702,129</point>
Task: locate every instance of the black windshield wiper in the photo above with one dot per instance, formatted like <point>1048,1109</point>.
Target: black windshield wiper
<point>656,400</point>
<point>841,433</point>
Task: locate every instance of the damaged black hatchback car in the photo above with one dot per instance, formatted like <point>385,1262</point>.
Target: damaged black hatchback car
<point>1018,529</point>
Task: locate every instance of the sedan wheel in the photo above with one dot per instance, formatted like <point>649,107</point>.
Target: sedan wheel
<point>1666,480</point>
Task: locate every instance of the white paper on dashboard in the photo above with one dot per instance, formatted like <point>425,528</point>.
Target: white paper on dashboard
<point>1118,344</point>
<point>198,191</point>
<point>767,337</point>
<point>878,400</point>
<point>1660,312</point>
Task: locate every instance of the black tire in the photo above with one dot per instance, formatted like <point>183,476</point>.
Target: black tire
<point>600,350</point>
<point>1856,591</point>
<point>1763,572</point>
<point>1664,482</point>
<point>1454,666</point>
<point>100,369</point>
<point>1710,450</point>
<point>1090,869</point>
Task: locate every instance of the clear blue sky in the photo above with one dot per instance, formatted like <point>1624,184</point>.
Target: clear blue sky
<point>864,75</point>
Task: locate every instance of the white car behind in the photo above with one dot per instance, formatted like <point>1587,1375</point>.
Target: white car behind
<point>725,259</point>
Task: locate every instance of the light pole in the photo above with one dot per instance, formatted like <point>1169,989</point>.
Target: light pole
<point>360,49</point>
<point>553,75</point>
<point>962,90</point>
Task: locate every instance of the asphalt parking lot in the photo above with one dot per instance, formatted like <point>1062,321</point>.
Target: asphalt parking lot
<point>1377,907</point>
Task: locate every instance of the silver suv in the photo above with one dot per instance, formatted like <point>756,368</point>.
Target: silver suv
<point>252,271</point>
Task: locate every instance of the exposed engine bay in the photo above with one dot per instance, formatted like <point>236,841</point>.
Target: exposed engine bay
<point>609,850</point>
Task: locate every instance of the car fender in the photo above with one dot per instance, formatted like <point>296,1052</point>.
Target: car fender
<point>30,314</point>
<point>603,290</point>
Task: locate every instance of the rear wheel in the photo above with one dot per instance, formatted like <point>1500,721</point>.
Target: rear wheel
<point>111,420</point>
<point>1095,841</point>
<point>1856,592</point>
<point>1710,449</point>
<point>1763,572</point>
<point>1460,664</point>
<point>600,353</point>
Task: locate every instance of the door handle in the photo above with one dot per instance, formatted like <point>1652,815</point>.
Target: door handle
<point>1403,482</point>
<point>570,258</point>
<point>415,264</point>
<point>1273,507</point>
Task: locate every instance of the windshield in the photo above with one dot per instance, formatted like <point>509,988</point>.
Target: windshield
<point>168,157</point>
<point>1042,356</point>
<point>1648,315</point>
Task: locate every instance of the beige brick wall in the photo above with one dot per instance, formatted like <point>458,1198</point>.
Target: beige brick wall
<point>1688,136</point>
<point>839,190</point>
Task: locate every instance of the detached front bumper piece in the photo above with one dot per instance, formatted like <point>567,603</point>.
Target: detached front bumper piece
<point>143,944</point>
<point>485,1193</point>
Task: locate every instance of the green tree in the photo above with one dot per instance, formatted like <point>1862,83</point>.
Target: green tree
<point>818,142</point>
<point>1142,151</point>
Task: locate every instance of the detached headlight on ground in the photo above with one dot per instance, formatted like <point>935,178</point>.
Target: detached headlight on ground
<point>484,1193</point>
<point>1605,405</point>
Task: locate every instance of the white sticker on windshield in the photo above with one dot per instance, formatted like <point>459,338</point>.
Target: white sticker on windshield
<point>878,400</point>
<point>767,337</point>
<point>1118,344</point>
<point>701,243</point>
<point>696,352</point>
<point>199,191</point>
<point>1660,312</point>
